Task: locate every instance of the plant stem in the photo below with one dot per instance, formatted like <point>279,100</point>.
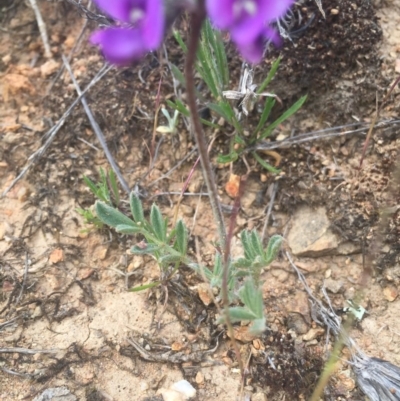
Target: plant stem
<point>197,19</point>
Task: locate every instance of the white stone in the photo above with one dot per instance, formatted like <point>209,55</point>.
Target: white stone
<point>185,388</point>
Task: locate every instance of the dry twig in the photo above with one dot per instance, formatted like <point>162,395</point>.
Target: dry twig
<point>97,130</point>
<point>42,28</point>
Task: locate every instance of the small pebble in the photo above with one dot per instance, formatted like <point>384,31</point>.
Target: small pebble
<point>185,388</point>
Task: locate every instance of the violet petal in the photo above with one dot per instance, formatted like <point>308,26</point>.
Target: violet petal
<point>119,9</point>
<point>153,24</point>
<point>221,12</point>
<point>120,46</point>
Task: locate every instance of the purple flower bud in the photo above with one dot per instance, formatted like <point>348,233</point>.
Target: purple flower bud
<point>247,22</point>
<point>142,29</point>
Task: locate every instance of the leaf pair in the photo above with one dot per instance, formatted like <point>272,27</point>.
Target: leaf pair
<point>251,296</point>
<point>255,256</point>
<point>167,247</point>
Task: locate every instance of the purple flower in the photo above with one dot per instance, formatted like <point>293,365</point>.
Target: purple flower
<point>247,21</point>
<point>141,30</point>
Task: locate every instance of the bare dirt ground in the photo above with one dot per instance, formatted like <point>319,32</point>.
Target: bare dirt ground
<point>65,313</point>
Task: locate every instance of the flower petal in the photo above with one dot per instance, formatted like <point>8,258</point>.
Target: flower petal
<point>154,24</point>
<point>253,51</point>
<point>273,10</point>
<point>120,46</point>
<point>248,29</point>
<point>272,35</point>
<point>119,9</point>
<point>221,12</point>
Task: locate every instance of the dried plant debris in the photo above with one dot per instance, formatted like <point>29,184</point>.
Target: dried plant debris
<point>378,379</point>
<point>286,367</point>
<point>171,356</point>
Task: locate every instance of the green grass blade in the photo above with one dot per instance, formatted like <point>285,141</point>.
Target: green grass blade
<point>176,72</point>
<point>269,104</point>
<point>288,113</point>
<point>266,165</point>
<point>270,75</point>
<point>114,186</point>
<point>145,287</point>
<point>180,41</point>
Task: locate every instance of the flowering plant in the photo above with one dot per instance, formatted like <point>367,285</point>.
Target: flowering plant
<point>140,25</point>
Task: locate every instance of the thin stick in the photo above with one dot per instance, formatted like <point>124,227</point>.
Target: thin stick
<point>24,279</point>
<point>12,372</point>
<point>197,22</point>
<point>269,210</point>
<point>97,129</point>
<point>51,133</point>
<point>28,351</point>
<point>42,28</point>
<point>89,144</point>
<point>317,135</point>
<point>8,322</point>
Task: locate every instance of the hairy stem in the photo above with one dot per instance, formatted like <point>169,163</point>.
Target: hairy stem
<point>197,19</point>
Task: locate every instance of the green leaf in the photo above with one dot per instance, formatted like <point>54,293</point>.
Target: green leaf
<point>264,164</point>
<point>145,286</point>
<point>104,187</point>
<point>218,271</point>
<point>157,223</point>
<point>205,68</point>
<point>111,216</point>
<point>148,249</point>
<point>202,270</point>
<point>214,51</point>
<point>169,259</point>
<point>239,313</point>
<point>114,186</point>
<point>230,158</point>
<point>180,41</point>
<point>251,296</point>
<point>224,109</point>
<point>219,52</point>
<point>249,252</point>
<point>176,72</point>
<point>239,140</point>
<point>178,105</point>
<point>136,208</point>
<point>242,263</point>
<point>91,185</point>
<point>288,113</point>
<point>258,326</point>
<point>128,229</point>
<point>270,75</point>
<point>256,243</point>
<point>273,247</point>
<point>181,237</point>
<point>269,104</point>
